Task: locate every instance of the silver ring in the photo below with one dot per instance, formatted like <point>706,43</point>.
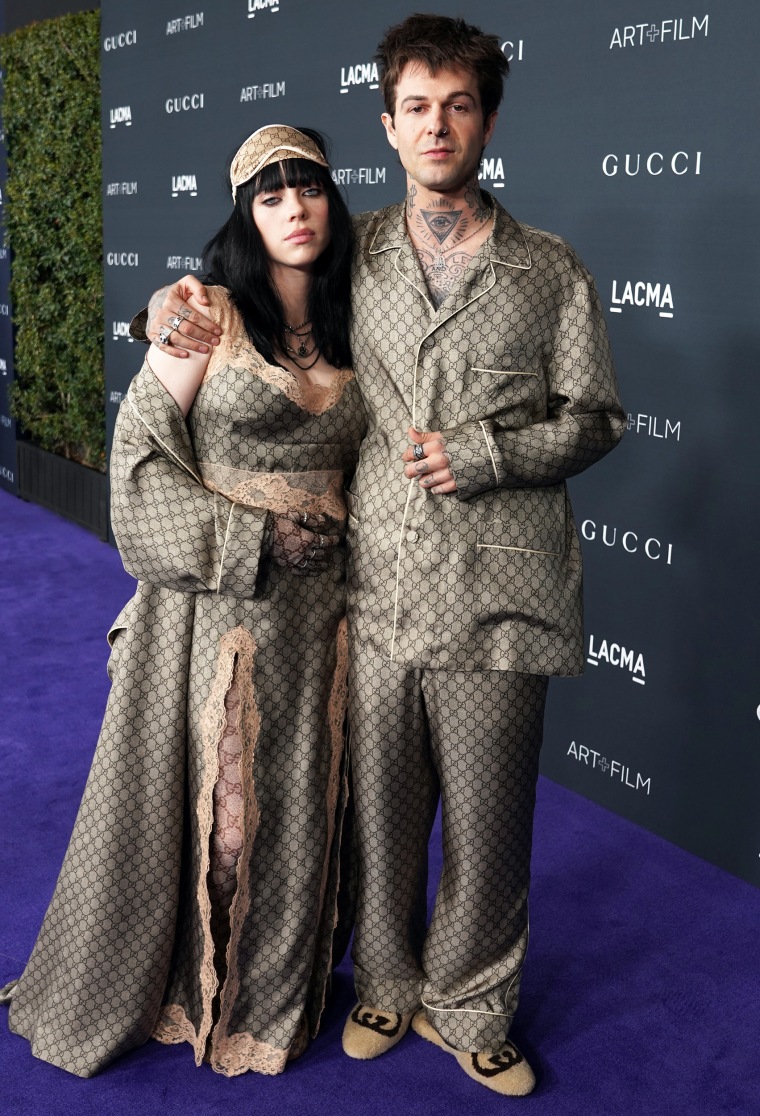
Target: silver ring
<point>163,336</point>
<point>418,452</point>
<point>175,322</point>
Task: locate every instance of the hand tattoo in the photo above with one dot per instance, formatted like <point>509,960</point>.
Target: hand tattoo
<point>156,303</point>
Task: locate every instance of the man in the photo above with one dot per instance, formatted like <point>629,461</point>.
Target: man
<point>480,344</point>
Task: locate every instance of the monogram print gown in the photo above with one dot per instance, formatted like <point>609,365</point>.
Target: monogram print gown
<point>198,898</point>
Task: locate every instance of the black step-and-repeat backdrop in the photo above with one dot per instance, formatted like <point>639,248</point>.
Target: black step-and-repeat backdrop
<point>630,129</point>
<point>7,424</point>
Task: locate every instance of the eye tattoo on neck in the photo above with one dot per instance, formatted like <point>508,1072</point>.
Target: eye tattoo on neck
<point>441,224</point>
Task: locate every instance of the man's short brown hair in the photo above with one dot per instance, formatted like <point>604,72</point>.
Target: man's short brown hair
<point>442,43</point>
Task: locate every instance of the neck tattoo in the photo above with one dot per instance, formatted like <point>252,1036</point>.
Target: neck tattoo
<point>438,234</point>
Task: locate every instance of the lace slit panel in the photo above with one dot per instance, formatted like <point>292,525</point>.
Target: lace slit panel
<point>226,842</point>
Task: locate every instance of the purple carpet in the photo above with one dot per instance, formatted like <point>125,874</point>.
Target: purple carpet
<point>641,993</point>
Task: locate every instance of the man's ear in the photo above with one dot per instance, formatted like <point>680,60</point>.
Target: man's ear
<point>490,124</point>
<point>390,131</point>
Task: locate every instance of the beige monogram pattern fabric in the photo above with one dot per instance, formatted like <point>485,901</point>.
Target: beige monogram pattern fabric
<point>271,144</point>
<point>515,369</point>
<point>223,665</point>
<point>474,737</point>
<point>461,605</point>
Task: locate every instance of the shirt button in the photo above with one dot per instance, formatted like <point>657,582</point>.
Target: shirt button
<point>412,535</point>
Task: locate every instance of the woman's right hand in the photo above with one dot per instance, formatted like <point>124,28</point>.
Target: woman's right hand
<point>300,543</point>
<point>194,332</point>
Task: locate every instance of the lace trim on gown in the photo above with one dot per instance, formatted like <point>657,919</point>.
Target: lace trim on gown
<point>229,727</point>
<point>228,818</point>
<point>236,351</point>
<point>316,492</point>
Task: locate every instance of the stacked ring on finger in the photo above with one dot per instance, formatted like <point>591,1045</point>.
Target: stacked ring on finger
<point>418,452</point>
<point>164,334</point>
<point>175,322</point>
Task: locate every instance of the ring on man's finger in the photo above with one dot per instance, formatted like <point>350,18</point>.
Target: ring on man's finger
<point>418,452</point>
<point>175,322</point>
<point>164,334</point>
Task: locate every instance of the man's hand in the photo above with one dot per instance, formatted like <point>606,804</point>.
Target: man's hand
<point>183,327</point>
<point>431,463</point>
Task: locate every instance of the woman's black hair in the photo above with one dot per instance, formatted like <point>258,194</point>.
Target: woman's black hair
<point>235,258</point>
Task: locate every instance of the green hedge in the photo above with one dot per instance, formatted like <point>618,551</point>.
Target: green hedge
<point>53,216</point>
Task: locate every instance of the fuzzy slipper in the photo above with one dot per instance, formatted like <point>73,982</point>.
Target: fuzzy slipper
<point>504,1070</point>
<point>369,1032</point>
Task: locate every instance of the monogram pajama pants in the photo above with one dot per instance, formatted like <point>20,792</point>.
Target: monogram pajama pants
<point>472,738</point>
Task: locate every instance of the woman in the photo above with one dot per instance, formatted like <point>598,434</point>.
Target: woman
<point>197,900</point>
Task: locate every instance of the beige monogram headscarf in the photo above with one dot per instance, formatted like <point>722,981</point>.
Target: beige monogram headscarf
<point>271,144</point>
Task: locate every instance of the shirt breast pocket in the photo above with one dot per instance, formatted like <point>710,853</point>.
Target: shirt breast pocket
<point>512,382</point>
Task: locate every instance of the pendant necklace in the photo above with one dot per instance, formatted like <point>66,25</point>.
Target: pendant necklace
<point>303,348</point>
<point>301,351</point>
<point>294,357</point>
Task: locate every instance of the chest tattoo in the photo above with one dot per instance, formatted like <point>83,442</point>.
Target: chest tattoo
<point>442,272</point>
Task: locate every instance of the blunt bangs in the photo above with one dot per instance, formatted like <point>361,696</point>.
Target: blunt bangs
<point>290,173</point>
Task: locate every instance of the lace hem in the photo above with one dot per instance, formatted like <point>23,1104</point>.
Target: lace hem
<point>173,1026</point>
<point>242,1051</point>
<point>236,1054</point>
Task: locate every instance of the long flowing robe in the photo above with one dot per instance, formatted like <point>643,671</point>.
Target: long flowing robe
<point>197,900</point>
